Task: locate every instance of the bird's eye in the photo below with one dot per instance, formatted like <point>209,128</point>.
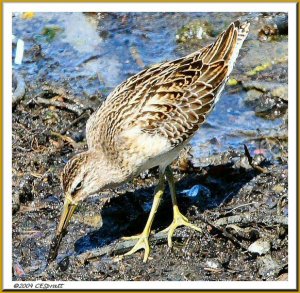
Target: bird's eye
<point>78,186</point>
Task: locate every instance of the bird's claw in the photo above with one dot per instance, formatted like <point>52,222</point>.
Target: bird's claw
<point>143,243</point>
<point>179,220</point>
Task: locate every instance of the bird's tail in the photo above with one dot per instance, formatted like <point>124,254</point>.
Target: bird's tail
<point>242,33</point>
<point>226,47</point>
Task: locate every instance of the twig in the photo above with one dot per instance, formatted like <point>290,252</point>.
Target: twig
<point>62,92</point>
<point>19,148</point>
<point>118,248</point>
<point>255,217</point>
<point>225,199</point>
<point>66,138</point>
<point>241,206</point>
<point>74,122</point>
<point>224,233</point>
<point>36,208</point>
<point>213,270</point>
<point>246,233</point>
<point>29,131</point>
<point>251,163</point>
<point>65,106</point>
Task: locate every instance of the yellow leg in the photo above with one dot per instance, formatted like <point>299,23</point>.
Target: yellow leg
<point>143,242</point>
<point>178,218</point>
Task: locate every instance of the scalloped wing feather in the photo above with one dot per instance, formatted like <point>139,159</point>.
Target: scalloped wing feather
<point>171,99</point>
<point>179,103</point>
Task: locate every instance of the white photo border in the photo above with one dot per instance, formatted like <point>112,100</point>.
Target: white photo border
<point>290,8</point>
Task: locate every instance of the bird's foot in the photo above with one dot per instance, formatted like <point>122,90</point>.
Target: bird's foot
<point>178,220</point>
<point>142,243</point>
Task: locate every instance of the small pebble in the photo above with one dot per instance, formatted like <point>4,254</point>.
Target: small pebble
<point>213,264</point>
<point>260,246</point>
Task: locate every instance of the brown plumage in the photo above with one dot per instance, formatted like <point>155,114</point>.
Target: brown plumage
<point>148,119</point>
<point>171,99</point>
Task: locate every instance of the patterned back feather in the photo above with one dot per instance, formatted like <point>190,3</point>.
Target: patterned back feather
<point>171,99</point>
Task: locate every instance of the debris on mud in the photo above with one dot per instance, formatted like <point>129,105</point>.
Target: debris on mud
<point>269,100</point>
<point>195,31</point>
<point>275,27</point>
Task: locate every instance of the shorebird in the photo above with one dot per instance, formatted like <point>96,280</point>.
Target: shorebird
<point>145,122</point>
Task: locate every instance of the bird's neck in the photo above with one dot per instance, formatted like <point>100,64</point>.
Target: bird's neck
<point>110,171</point>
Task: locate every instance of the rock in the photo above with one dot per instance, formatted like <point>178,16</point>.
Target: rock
<point>264,55</point>
<point>281,21</point>
<point>285,210</point>
<point>268,267</point>
<point>243,162</point>
<point>275,27</point>
<point>269,99</point>
<point>94,221</point>
<point>261,86</point>
<point>281,92</point>
<point>19,87</point>
<point>78,136</point>
<point>270,107</point>
<point>268,32</point>
<point>255,89</point>
<point>212,264</point>
<point>258,159</point>
<point>271,201</point>
<point>253,96</point>
<point>260,246</point>
<point>247,233</point>
<point>195,30</point>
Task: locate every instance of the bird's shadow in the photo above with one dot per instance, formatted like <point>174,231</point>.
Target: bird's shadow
<point>127,214</point>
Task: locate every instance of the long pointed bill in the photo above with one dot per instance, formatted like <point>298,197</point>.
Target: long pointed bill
<point>65,217</point>
<point>68,211</point>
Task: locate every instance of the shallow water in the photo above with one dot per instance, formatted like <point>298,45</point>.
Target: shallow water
<point>227,124</point>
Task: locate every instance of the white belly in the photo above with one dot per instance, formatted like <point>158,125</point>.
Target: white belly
<point>144,151</point>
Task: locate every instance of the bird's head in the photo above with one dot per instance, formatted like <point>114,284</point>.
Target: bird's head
<point>80,177</point>
<point>85,174</point>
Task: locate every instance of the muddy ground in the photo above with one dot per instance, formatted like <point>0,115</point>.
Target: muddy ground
<point>239,200</point>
